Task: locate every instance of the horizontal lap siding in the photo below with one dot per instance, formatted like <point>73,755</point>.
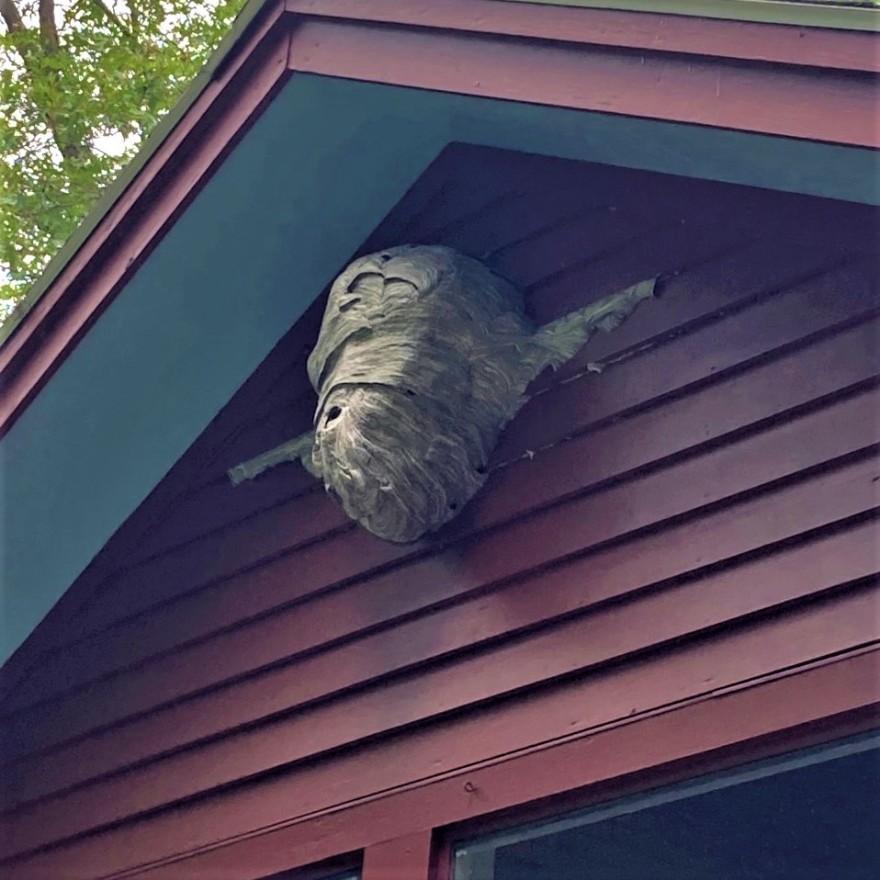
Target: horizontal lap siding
<point>602,454</point>
<point>601,698</point>
<point>710,494</point>
<point>614,572</point>
<point>606,514</point>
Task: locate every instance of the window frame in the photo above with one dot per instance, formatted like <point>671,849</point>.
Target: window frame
<point>647,797</point>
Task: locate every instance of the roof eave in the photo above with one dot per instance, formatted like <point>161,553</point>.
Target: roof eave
<point>33,341</point>
<point>858,15</point>
<point>212,70</point>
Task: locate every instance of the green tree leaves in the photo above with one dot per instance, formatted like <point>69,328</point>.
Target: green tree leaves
<point>82,82</point>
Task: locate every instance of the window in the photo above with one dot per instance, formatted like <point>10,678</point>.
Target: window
<point>812,815</point>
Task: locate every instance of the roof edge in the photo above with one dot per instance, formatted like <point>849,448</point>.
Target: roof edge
<point>857,15</point>
<point>55,315</point>
<point>213,68</point>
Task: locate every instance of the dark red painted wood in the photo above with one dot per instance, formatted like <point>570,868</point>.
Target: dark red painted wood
<point>713,350</point>
<point>617,571</point>
<point>516,210</point>
<point>707,735</point>
<point>703,528</point>
<point>626,385</point>
<point>526,545</point>
<point>704,668</point>
<point>642,30</point>
<point>404,858</point>
<point>211,506</point>
<point>201,469</point>
<point>740,277</point>
<point>609,634</point>
<point>604,454</point>
<point>789,101</point>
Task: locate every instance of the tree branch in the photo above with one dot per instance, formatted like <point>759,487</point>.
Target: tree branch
<point>11,16</point>
<point>111,16</point>
<point>48,29</point>
<point>70,147</point>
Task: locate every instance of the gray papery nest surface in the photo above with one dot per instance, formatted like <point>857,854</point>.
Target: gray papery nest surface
<point>423,358</point>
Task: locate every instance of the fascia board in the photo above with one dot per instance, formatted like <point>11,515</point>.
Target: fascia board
<point>837,14</point>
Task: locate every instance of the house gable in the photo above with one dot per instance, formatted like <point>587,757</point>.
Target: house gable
<point>712,486</point>
<point>249,255</point>
<point>681,550</point>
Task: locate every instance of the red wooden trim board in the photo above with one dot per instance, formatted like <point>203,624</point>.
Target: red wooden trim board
<point>826,700</point>
<point>403,858</point>
<point>653,32</point>
<point>836,107</point>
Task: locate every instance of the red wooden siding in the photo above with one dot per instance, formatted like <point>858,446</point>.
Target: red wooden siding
<point>697,517</point>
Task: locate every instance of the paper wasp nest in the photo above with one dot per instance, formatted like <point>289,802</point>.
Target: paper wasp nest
<point>423,357</point>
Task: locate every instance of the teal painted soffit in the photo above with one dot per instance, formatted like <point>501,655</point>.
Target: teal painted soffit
<point>312,178</point>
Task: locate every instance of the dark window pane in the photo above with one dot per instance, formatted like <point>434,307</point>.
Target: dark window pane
<point>814,816</point>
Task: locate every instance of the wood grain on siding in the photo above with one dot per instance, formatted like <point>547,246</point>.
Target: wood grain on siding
<point>701,513</point>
